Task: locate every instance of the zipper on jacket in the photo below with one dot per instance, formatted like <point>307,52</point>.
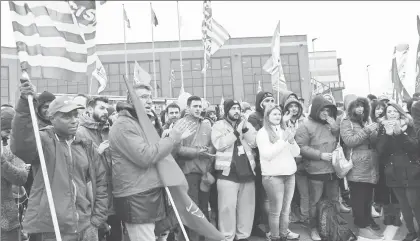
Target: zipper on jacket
<point>74,185</point>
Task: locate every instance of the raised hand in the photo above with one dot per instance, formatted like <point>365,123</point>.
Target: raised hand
<point>27,88</point>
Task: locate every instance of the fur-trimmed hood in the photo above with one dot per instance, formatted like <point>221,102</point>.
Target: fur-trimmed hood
<point>293,100</point>
<point>366,110</point>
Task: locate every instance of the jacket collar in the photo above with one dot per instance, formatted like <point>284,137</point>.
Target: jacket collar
<point>88,122</point>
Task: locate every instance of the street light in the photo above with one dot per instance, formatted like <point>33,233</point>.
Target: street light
<point>368,75</point>
<point>313,44</point>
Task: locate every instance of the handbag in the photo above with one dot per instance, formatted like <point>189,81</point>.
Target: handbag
<point>340,164</point>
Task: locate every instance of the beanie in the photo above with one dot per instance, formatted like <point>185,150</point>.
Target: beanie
<point>228,104</point>
<point>45,97</point>
<point>110,110</point>
<point>7,115</point>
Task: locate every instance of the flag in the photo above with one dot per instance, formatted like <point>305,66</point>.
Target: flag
<point>273,65</point>
<point>172,79</point>
<point>206,30</point>
<point>100,75</point>
<point>398,71</point>
<point>222,104</point>
<point>52,42</point>
<point>417,89</point>
<point>154,18</point>
<point>141,77</point>
<point>259,87</point>
<point>218,36</point>
<point>172,177</point>
<point>126,18</point>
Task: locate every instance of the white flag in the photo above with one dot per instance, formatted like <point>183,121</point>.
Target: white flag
<point>141,77</point>
<point>100,75</point>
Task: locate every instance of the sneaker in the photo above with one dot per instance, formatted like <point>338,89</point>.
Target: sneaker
<point>291,235</point>
<point>344,208</point>
<point>411,237</point>
<point>268,236</point>
<point>368,233</point>
<point>374,213</point>
<point>315,235</point>
<point>389,220</point>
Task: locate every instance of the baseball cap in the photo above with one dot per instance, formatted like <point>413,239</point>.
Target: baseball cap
<point>63,104</point>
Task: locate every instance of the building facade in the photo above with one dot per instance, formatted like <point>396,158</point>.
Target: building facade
<point>236,69</point>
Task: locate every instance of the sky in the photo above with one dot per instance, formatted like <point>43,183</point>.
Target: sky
<point>362,32</point>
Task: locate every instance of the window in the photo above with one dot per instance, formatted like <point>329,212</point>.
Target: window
<point>4,84</point>
<point>219,82</point>
<point>253,73</point>
<point>116,71</point>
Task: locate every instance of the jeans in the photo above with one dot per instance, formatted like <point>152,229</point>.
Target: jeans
<point>89,234</point>
<point>409,199</point>
<point>361,196</point>
<point>318,189</point>
<point>141,232</point>
<point>116,228</point>
<point>280,191</point>
<point>236,203</point>
<point>303,188</point>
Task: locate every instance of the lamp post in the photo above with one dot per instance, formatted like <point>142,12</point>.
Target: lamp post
<point>313,50</point>
<point>368,76</point>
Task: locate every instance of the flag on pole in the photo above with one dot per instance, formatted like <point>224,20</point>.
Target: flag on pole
<point>222,104</point>
<point>259,87</point>
<point>126,18</point>
<point>273,65</point>
<point>417,89</point>
<point>172,78</point>
<point>218,36</point>
<point>154,18</point>
<point>398,71</point>
<point>141,77</point>
<point>52,42</point>
<point>100,75</point>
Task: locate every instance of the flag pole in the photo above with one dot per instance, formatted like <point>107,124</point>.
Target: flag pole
<point>90,86</point>
<point>180,47</point>
<point>170,88</point>
<point>153,50</point>
<point>278,87</point>
<point>125,47</point>
<point>205,74</point>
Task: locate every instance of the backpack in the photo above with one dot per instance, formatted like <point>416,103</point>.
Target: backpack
<point>331,225</point>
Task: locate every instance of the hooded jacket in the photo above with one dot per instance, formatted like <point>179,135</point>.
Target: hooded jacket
<point>257,117</point>
<point>359,142</point>
<point>43,98</point>
<point>315,137</point>
<point>299,118</point>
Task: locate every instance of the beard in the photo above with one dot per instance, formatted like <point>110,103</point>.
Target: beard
<point>101,119</point>
<point>234,117</point>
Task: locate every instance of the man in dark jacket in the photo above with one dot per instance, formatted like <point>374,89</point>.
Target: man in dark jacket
<point>71,163</point>
<point>43,102</point>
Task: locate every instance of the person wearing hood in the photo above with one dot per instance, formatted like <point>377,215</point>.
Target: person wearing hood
<point>263,101</point>
<point>233,139</point>
<point>210,115</point>
<point>317,139</point>
<point>331,99</point>
<point>43,102</point>
<point>359,135</point>
<point>195,156</point>
<point>398,145</point>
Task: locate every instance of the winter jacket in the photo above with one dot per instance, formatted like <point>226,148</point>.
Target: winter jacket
<point>98,133</point>
<point>276,158</point>
<point>315,137</point>
<point>359,141</point>
<point>13,172</point>
<point>187,153</point>
<point>400,154</point>
<point>70,166</point>
<point>223,139</point>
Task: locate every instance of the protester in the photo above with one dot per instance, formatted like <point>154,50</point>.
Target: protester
<point>195,157</point>
<point>233,139</point>
<point>13,172</point>
<point>173,113</point>
<point>139,198</point>
<point>43,103</point>
<point>399,147</point>
<point>358,136</point>
<point>277,152</point>
<point>111,114</point>
<point>76,215</point>
<point>317,139</point>
<point>246,109</point>
<point>372,98</point>
<point>210,116</point>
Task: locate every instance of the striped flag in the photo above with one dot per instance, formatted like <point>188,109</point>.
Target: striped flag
<point>140,75</point>
<point>417,89</point>
<point>55,39</point>
<point>172,79</point>
<point>126,18</point>
<point>218,36</point>
<point>154,18</point>
<point>100,75</point>
<point>398,71</point>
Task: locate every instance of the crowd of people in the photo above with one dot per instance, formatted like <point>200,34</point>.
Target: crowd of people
<point>251,169</point>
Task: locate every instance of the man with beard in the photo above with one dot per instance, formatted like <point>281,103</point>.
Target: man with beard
<point>71,163</point>
<point>94,126</point>
<point>195,157</point>
<point>233,139</point>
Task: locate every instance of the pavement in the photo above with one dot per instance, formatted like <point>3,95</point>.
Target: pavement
<point>391,233</point>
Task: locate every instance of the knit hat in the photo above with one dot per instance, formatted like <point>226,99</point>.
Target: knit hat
<point>228,104</point>
<point>45,97</point>
<point>110,110</point>
<point>7,115</point>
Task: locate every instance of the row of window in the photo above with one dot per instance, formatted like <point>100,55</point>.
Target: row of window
<point>4,86</point>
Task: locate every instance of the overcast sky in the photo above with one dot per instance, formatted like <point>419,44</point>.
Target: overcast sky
<point>361,32</point>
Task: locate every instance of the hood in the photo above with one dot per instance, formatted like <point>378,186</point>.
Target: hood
<point>332,97</point>
<point>259,98</point>
<point>290,101</point>
<point>318,103</point>
<point>366,110</point>
<point>348,99</point>
<point>415,113</point>
<point>88,122</point>
<point>284,96</point>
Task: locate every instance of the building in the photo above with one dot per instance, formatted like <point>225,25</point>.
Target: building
<point>235,70</point>
<point>325,73</point>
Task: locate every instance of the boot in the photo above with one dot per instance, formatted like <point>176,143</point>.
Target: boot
<point>315,235</point>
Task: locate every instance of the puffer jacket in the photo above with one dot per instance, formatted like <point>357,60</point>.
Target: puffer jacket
<point>186,154</point>
<point>89,129</point>
<point>70,166</point>
<point>13,172</point>
<point>316,136</point>
<point>359,143</point>
<point>223,139</point>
